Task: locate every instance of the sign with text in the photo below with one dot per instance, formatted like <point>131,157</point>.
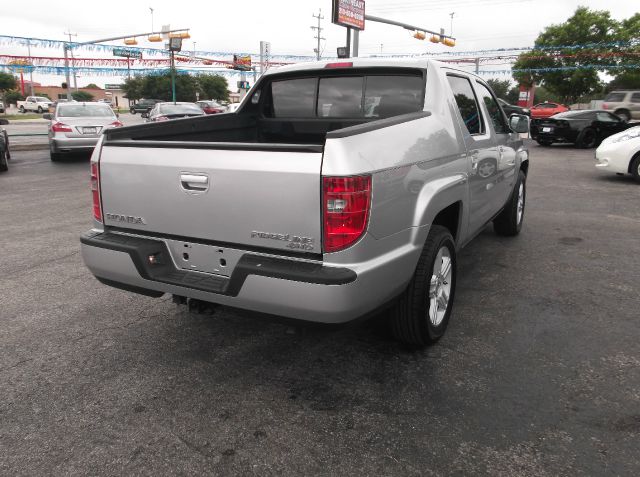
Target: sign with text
<point>126,53</point>
<point>348,13</point>
<point>112,86</point>
<point>242,63</point>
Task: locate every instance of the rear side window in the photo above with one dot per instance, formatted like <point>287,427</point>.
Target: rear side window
<point>635,98</point>
<point>467,103</point>
<point>362,96</point>
<point>615,98</point>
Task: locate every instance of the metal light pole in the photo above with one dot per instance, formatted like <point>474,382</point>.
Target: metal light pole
<point>30,68</point>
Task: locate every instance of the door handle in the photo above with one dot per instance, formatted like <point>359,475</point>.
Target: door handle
<point>194,182</point>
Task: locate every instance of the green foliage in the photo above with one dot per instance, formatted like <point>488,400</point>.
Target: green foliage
<point>82,96</point>
<point>159,87</point>
<point>12,97</point>
<point>213,87</point>
<point>93,86</point>
<point>7,82</point>
<point>584,27</point>
<point>500,87</point>
<point>542,95</point>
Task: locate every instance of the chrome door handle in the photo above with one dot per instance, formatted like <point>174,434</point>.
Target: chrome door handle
<point>194,182</point>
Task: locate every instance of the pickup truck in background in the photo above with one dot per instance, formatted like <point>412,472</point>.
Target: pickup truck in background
<point>336,189</point>
<point>38,104</point>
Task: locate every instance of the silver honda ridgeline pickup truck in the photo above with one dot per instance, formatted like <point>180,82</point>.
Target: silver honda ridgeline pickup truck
<point>334,190</point>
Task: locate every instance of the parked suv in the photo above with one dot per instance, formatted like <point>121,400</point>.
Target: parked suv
<point>625,104</point>
<point>144,106</point>
<point>336,189</point>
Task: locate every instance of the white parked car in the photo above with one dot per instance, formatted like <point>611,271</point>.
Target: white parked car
<point>620,153</point>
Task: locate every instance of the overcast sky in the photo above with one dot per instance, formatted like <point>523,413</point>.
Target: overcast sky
<point>239,26</point>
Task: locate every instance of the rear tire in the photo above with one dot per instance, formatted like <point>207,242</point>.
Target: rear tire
<point>544,142</point>
<point>132,111</point>
<point>509,222</point>
<point>587,139</point>
<point>422,313</point>
<point>55,156</point>
<point>635,168</point>
<point>39,110</point>
<point>4,160</point>
<point>21,109</point>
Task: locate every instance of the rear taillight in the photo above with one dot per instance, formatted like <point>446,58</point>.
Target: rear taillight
<point>342,64</point>
<point>116,124</point>
<point>161,118</point>
<point>95,191</point>
<point>61,127</point>
<point>604,106</point>
<point>346,202</point>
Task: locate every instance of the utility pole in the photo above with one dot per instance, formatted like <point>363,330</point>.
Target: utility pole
<point>318,30</point>
<point>73,64</point>
<point>30,68</point>
<point>451,26</point>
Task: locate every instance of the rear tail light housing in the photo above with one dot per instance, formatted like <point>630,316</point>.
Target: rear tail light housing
<point>116,124</point>
<point>95,191</point>
<point>346,202</point>
<point>162,118</point>
<point>341,64</point>
<point>61,127</point>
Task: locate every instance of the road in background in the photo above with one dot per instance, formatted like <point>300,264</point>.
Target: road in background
<point>538,374</point>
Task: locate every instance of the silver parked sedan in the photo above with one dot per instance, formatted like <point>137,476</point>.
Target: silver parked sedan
<point>78,126</point>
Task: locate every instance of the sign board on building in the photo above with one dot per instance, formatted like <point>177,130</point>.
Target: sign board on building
<point>242,63</point>
<point>112,86</point>
<point>348,13</point>
<point>127,53</point>
<point>243,85</point>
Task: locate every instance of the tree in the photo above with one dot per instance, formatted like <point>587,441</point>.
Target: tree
<point>500,87</point>
<point>13,96</point>
<point>132,87</point>
<point>628,76</point>
<point>585,27</point>
<point>213,87</point>
<point>82,96</point>
<point>92,86</point>
<point>7,82</point>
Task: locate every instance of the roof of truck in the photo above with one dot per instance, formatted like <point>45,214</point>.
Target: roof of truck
<point>359,63</point>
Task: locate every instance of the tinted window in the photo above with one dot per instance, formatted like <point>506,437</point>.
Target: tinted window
<point>467,104</point>
<point>83,111</point>
<point>606,117</point>
<point>576,115</point>
<point>615,97</point>
<point>635,98</point>
<point>340,97</point>
<point>495,113</point>
<point>545,106</point>
<point>294,98</point>
<point>387,96</point>
<point>180,109</point>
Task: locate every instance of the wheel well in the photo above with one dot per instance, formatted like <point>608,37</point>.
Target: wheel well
<point>524,167</point>
<point>621,110</point>
<point>635,156</point>
<point>449,217</point>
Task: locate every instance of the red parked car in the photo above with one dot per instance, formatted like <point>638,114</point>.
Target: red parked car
<point>211,107</point>
<point>546,110</point>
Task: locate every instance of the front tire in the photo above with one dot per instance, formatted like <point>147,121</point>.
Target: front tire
<point>509,221</point>
<point>422,313</point>
<point>21,109</point>
<point>623,114</point>
<point>39,110</point>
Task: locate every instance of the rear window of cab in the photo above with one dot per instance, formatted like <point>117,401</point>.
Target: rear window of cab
<point>347,96</point>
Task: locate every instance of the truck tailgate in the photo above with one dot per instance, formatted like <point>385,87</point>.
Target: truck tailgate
<point>256,198</point>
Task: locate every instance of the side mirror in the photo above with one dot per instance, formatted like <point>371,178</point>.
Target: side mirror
<point>48,116</point>
<point>519,123</point>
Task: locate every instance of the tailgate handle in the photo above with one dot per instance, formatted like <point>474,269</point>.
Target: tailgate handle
<point>194,182</point>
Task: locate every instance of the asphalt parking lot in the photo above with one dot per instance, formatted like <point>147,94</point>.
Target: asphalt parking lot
<point>538,374</point>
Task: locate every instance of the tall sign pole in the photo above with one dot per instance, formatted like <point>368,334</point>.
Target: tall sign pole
<point>349,14</point>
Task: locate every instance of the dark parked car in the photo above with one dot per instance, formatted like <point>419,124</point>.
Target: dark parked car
<point>144,106</point>
<point>585,128</point>
<point>166,111</point>
<point>4,150</point>
<point>510,109</point>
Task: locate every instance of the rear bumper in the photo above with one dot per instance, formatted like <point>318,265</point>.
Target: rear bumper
<point>59,144</point>
<point>304,290</point>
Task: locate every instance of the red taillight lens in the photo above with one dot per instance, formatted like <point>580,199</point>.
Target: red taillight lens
<point>162,118</point>
<point>345,202</point>
<point>116,124</point>
<point>342,64</point>
<point>95,191</point>
<point>61,127</point>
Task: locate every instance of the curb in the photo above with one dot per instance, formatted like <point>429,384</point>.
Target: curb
<point>28,147</point>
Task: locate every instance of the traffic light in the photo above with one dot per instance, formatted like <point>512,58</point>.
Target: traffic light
<point>419,35</point>
<point>434,39</point>
<point>448,42</point>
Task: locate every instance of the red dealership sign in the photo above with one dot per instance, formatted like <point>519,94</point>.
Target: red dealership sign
<point>349,13</point>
